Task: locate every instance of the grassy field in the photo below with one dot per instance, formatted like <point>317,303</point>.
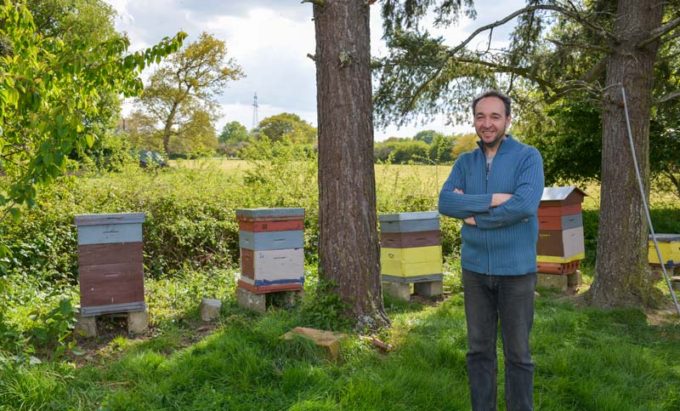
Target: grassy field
<point>430,176</point>
<point>586,359</point>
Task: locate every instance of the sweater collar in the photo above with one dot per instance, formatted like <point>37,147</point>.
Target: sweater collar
<point>506,145</point>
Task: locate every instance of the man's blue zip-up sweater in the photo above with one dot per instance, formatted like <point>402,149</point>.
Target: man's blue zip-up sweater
<point>504,240</point>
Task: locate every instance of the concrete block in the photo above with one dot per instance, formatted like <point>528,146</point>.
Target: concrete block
<point>556,281</point>
<point>574,279</point>
<point>251,301</point>
<point>137,322</point>
<point>291,298</point>
<point>210,309</point>
<point>86,326</point>
<point>400,291</point>
<point>429,289</point>
<point>675,283</point>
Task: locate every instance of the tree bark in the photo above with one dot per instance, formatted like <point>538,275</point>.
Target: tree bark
<point>167,128</point>
<point>348,246</point>
<point>622,277</point>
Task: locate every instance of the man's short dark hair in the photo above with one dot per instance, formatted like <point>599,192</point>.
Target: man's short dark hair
<point>493,93</point>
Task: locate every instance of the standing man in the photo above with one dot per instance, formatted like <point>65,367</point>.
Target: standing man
<point>496,189</point>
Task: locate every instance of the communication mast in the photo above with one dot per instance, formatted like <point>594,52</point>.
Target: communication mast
<point>255,106</point>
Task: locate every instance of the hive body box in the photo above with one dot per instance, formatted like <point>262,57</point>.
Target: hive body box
<point>110,265</point>
<point>411,247</point>
<point>272,256</point>
<point>669,245</point>
<point>560,244</point>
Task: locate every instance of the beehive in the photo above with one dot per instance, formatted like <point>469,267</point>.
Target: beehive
<point>271,242</point>
<point>110,263</point>
<point>560,239</point>
<point>669,246</point>
<point>411,247</point>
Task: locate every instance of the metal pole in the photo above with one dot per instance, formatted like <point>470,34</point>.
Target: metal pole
<point>644,201</point>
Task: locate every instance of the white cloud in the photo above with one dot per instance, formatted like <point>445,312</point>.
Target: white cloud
<point>270,39</point>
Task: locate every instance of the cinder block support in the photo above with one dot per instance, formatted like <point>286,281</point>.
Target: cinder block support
<point>400,291</point>
<point>675,283</point>
<point>137,322</point>
<point>429,288</point>
<point>291,298</point>
<point>86,326</point>
<point>556,281</point>
<point>251,301</point>
<point>210,309</point>
<point>574,279</point>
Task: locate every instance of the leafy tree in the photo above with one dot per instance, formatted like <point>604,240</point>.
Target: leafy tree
<point>559,47</point>
<point>142,132</point>
<point>441,148</point>
<point>39,75</point>
<point>188,83</point>
<point>87,21</point>
<point>426,136</point>
<point>383,149</point>
<point>348,237</point>
<point>82,25</point>
<point>198,136</point>
<point>233,132</point>
<point>572,143</point>
<point>463,143</point>
<point>287,127</point>
<point>410,151</point>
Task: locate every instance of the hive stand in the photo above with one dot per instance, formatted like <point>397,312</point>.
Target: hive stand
<point>567,282</point>
<point>137,323</point>
<point>259,302</point>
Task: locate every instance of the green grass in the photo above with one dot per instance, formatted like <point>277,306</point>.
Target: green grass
<point>586,359</point>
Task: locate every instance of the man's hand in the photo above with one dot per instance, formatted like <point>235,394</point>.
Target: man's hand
<point>458,191</point>
<point>499,198</point>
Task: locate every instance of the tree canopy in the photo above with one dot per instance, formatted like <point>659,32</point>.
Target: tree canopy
<point>187,84</point>
<point>287,127</point>
<point>233,132</point>
<point>39,72</point>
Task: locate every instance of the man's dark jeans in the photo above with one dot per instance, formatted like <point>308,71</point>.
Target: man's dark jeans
<point>489,298</point>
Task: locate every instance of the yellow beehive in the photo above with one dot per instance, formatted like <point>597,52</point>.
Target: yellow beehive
<point>669,245</point>
<point>412,261</point>
<point>559,260</point>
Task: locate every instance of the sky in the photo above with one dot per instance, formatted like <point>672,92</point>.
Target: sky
<point>270,40</point>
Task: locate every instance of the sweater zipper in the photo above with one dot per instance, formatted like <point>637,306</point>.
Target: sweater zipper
<point>487,167</point>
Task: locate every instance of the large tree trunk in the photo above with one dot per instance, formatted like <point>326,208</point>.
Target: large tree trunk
<point>622,277</point>
<point>348,246</point>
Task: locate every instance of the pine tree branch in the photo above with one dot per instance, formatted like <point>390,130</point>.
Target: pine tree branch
<point>546,87</point>
<point>595,71</point>
<point>502,68</point>
<point>660,31</point>
<point>529,9</point>
<point>668,97</point>
<point>582,46</point>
